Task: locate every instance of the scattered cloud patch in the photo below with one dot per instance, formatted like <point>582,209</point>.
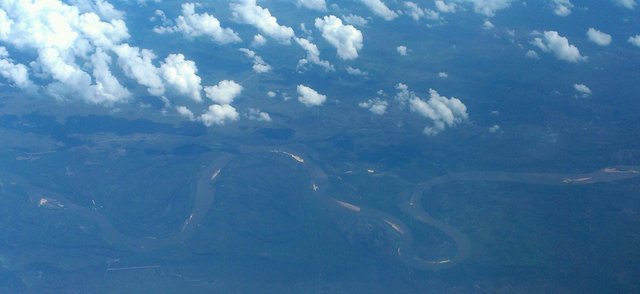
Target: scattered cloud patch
<point>552,42</point>
<point>487,25</point>
<point>444,7</point>
<point>258,41</point>
<point>355,20</point>
<point>259,65</point>
<point>443,75</point>
<point>494,129</point>
<point>356,71</point>
<point>442,111</point>
<point>628,4</point>
<point>532,54</point>
<point>487,7</point>
<point>561,7</point>
<point>582,89</point>
<point>402,50</point>
<point>257,115</point>
<point>598,37</point>
<point>193,25</point>
<point>380,9</point>
<point>16,73</point>
<point>313,55</point>
<point>309,97</point>
<point>416,12</point>
<point>248,12</point>
<point>219,115</point>
<point>271,94</point>
<point>182,76</point>
<point>186,112</point>
<point>345,38</point>
<point>320,5</point>
<point>635,40</point>
<point>224,92</point>
<point>376,106</point>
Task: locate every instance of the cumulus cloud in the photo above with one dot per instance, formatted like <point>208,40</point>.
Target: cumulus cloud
<point>16,73</point>
<point>380,9</point>
<point>258,41</point>
<point>552,42</point>
<point>219,115</point>
<point>192,25</point>
<point>313,55</point>
<point>313,4</point>
<point>271,94</point>
<point>629,4</point>
<point>346,38</point>
<point>259,66</point>
<point>487,7</point>
<point>402,50</point>
<point>182,76</point>
<point>598,37</point>
<point>185,112</point>
<point>309,97</point>
<point>445,7</point>
<point>65,41</point>
<point>635,40</point>
<point>376,106</point>
<point>224,92</point>
<point>416,12</point>
<point>487,25</point>
<point>356,71</point>
<point>442,111</point>
<point>137,64</point>
<point>248,12</point>
<point>75,46</point>
<point>532,54</point>
<point>582,89</point>
<point>443,75</point>
<point>355,20</point>
<point>257,115</point>
<point>561,7</point>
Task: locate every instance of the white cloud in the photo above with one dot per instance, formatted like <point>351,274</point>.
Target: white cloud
<point>313,55</point>
<point>494,129</point>
<point>532,55</point>
<point>487,25</point>
<point>309,97</point>
<point>487,7</point>
<point>185,112</point>
<point>103,8</point>
<point>442,111</point>
<point>635,40</point>
<point>259,66</point>
<point>445,7</point>
<point>356,71</point>
<point>258,41</point>
<point>582,89</point>
<point>65,41</point>
<point>192,25</point>
<point>346,38</point>
<point>313,4</point>
<point>219,115</point>
<point>376,106</point>
<point>380,9</point>
<point>402,50</point>
<point>16,73</point>
<point>598,37</point>
<point>561,7</point>
<point>271,94</point>
<point>414,10</point>
<point>355,20</point>
<point>137,64</point>
<point>182,76</point>
<point>552,42</point>
<point>629,4</point>
<point>224,92</point>
<point>257,115</point>
<point>443,75</point>
<point>248,12</point>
